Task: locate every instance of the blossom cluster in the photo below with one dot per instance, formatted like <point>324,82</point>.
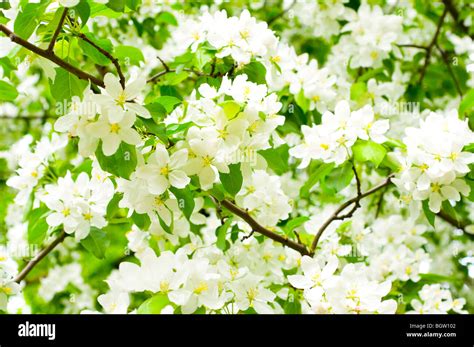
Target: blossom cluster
<point>435,160</point>
<point>331,141</point>
<point>77,205</point>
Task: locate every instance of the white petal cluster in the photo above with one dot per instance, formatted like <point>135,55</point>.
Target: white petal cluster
<point>331,141</point>
<point>227,131</point>
<point>435,160</point>
<point>32,165</point>
<point>350,291</point>
<point>189,283</point>
<point>435,299</point>
<point>117,109</point>
<point>261,195</point>
<point>371,37</point>
<point>8,287</point>
<point>78,204</point>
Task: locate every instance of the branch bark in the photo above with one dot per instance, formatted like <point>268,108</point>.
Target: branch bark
<point>455,222</point>
<point>52,57</point>
<point>337,215</point>
<point>43,253</point>
<point>256,227</point>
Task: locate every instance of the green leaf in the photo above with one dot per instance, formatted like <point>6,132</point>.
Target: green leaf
<point>37,226</point>
<point>141,220</point>
<point>294,223</point>
<point>96,242</point>
<point>92,52</point>
<point>166,17</point>
<point>133,4</point>
<point>369,151</point>
<point>302,101</point>
<point>185,200</point>
<point>221,233</point>
<point>172,129</point>
<point>122,163</point>
<point>66,85</point>
<point>83,11</point>
<point>322,171</point>
<point>277,158</point>
<point>430,216</point>
<point>230,108</point>
<point>255,71</point>
<point>7,92</point>
<point>116,5</point>
<point>129,55</point>
<point>154,305</point>
<point>168,102</point>
<point>359,92</point>
<point>340,177</point>
<point>232,181</point>
<point>467,103</point>
<point>28,19</point>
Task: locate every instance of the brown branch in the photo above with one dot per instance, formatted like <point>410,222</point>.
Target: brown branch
<point>43,253</point>
<point>168,70</point>
<point>432,44</point>
<point>52,57</point>
<point>455,15</point>
<point>338,216</point>
<point>256,227</point>
<point>58,30</point>
<point>455,222</point>
<point>445,57</point>
<point>410,45</point>
<point>106,54</point>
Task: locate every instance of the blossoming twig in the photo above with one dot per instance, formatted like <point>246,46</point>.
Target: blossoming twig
<point>33,262</point>
<point>52,57</point>
<point>337,214</point>
<point>264,231</point>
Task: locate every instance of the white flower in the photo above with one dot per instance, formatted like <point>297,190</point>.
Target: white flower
<point>114,302</point>
<point>163,170</point>
<point>113,133</point>
<point>116,100</point>
<point>250,292</point>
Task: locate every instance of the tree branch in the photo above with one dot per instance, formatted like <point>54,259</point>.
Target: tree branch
<point>338,216</point>
<point>109,56</point>
<point>256,227</point>
<point>445,57</point>
<point>455,222</point>
<point>43,253</point>
<point>455,15</point>
<point>58,30</point>
<point>52,57</point>
<point>168,70</point>
<point>429,49</point>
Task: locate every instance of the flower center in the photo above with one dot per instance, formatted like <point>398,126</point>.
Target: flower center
<point>114,128</point>
<point>202,287</point>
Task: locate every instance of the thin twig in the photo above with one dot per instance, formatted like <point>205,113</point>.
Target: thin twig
<point>262,230</point>
<point>337,214</point>
<point>43,253</point>
<point>462,225</point>
<point>109,56</point>
<point>432,44</point>
<point>166,71</point>
<point>445,57</point>
<point>410,45</point>
<point>52,57</point>
<point>455,15</point>
<point>58,30</point>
